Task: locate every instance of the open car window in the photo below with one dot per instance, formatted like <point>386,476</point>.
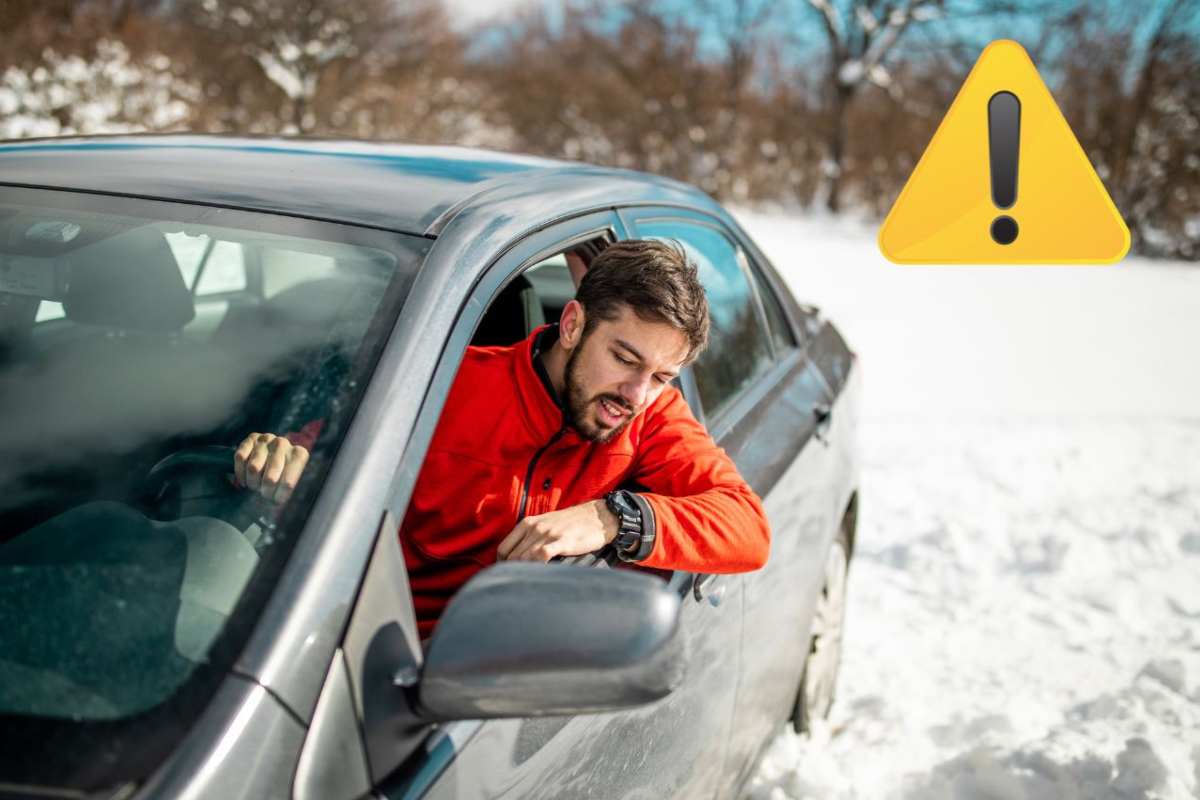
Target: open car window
<point>130,566</point>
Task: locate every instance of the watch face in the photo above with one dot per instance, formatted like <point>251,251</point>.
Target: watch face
<point>624,505</point>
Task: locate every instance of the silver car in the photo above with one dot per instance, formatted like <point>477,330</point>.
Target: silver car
<point>165,634</point>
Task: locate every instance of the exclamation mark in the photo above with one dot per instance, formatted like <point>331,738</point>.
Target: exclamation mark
<point>1004,138</point>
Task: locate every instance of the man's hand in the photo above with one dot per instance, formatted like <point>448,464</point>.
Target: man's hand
<point>570,531</point>
<point>269,465</point>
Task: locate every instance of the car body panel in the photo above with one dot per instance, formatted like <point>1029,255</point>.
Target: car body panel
<point>405,188</point>
<point>245,746</point>
<point>333,764</point>
<point>385,186</point>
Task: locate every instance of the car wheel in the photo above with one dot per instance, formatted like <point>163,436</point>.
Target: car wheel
<point>819,678</point>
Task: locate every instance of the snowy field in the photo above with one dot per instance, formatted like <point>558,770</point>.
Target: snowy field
<point>1024,616</point>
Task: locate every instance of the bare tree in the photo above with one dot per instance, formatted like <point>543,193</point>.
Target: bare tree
<point>1129,88</point>
<point>741,28</point>
<point>637,94</point>
<point>861,35</point>
<point>66,28</point>
<point>805,102</point>
<point>1161,53</point>
<point>298,45</point>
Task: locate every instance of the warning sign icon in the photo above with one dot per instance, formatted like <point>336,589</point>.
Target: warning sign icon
<point>1004,180</point>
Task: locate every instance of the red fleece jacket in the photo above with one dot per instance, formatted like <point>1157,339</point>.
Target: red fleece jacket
<point>499,437</point>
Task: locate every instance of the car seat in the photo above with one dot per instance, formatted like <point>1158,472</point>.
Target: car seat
<point>114,381</point>
<point>512,316</point>
<point>130,282</point>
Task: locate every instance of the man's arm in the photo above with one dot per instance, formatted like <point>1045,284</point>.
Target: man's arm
<point>706,518</point>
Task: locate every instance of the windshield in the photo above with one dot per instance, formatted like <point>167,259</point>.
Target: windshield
<point>139,343</point>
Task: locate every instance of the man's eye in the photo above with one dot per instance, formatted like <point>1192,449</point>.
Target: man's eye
<point>624,361</point>
<point>661,380</point>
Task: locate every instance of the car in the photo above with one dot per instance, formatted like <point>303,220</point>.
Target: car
<point>165,634</point>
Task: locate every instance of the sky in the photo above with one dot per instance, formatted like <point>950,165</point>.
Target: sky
<point>466,13</point>
<point>1145,14</point>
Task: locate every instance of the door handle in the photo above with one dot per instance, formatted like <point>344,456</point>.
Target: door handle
<point>708,587</point>
<point>823,413</point>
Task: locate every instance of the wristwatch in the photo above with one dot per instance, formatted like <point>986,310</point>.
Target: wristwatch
<point>635,538</point>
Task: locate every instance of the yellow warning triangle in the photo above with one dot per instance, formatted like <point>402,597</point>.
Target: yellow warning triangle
<point>1060,212</point>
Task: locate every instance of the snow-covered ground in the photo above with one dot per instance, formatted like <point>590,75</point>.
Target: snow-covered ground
<point>1024,617</point>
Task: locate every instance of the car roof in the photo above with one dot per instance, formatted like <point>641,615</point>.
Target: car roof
<point>408,188</point>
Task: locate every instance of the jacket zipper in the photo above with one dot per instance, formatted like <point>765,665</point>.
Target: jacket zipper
<point>532,466</point>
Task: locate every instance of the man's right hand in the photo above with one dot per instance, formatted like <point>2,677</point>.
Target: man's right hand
<point>269,465</point>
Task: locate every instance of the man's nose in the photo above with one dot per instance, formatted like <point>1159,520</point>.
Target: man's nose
<point>634,392</point>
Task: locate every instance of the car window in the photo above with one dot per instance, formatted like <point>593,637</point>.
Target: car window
<point>283,268</point>
<point>209,266</point>
<point>189,250</point>
<point>738,348</point>
<point>224,270</point>
<point>552,281</point>
<point>781,331</point>
<point>48,310</point>
<point>124,550</point>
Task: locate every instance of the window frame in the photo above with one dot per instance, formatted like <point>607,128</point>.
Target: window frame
<point>504,265</point>
<point>794,311</point>
<point>781,364</point>
<point>768,295</point>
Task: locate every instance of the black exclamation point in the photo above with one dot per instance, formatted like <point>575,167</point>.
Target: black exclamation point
<point>1004,138</point>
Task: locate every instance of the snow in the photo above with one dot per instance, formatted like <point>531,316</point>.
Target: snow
<point>851,72</point>
<point>111,93</point>
<point>1024,611</point>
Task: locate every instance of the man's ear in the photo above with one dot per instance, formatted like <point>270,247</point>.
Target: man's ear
<point>570,325</point>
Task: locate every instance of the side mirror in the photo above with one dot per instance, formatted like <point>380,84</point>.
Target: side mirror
<point>523,640</point>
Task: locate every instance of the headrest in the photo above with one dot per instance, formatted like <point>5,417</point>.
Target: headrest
<point>315,303</point>
<point>129,281</point>
<point>511,317</point>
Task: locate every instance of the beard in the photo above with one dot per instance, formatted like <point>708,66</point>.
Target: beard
<point>577,405</point>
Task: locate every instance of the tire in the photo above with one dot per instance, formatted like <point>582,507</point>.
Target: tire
<point>818,680</point>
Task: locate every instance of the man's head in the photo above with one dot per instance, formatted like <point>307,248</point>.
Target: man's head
<point>638,317</point>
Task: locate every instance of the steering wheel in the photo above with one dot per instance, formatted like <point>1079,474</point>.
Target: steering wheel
<point>196,480</point>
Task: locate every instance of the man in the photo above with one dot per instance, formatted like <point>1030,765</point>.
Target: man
<point>568,441</point>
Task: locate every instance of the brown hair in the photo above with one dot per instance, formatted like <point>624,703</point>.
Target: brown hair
<point>654,278</point>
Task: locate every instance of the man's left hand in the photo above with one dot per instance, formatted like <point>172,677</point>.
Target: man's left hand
<point>573,531</point>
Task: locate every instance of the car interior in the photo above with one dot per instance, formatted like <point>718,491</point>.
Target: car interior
<point>533,298</point>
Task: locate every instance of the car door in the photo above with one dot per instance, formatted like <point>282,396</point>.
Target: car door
<point>673,748</point>
<point>761,395</point>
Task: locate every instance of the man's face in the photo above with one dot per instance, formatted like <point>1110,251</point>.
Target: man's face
<point>617,370</point>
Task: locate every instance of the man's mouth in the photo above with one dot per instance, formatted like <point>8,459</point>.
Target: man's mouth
<point>610,413</point>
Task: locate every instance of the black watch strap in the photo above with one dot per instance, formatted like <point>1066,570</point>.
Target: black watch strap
<point>635,525</point>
